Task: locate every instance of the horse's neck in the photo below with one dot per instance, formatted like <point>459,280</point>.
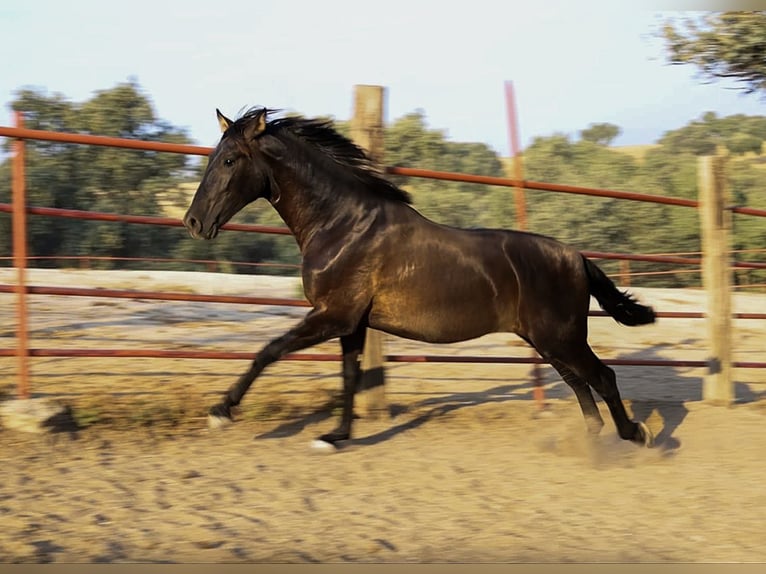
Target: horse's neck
<point>301,210</point>
<point>305,212</point>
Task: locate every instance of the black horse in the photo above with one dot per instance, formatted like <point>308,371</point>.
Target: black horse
<point>371,260</point>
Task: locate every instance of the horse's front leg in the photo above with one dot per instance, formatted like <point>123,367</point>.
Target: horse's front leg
<point>317,327</point>
<point>352,346</point>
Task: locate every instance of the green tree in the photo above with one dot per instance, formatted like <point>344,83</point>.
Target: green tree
<point>747,180</point>
<point>738,133</point>
<point>410,143</point>
<point>601,224</point>
<point>721,45</point>
<point>586,222</point>
<point>97,178</point>
<point>742,143</point>
<point>602,134</point>
<point>124,181</point>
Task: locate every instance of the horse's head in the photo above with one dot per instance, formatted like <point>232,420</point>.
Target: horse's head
<point>237,174</point>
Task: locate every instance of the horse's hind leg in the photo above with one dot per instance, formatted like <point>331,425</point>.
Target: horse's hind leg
<point>584,396</point>
<point>580,387</point>
<point>603,379</point>
<point>586,366</point>
<point>351,346</point>
<point>606,386</point>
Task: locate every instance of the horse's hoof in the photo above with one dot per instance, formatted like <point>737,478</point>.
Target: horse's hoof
<point>323,447</point>
<point>646,435</point>
<point>215,422</point>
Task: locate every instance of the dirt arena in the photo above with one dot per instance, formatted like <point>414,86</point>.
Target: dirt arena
<point>462,467</point>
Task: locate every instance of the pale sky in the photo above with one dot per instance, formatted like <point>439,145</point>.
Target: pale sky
<point>572,63</point>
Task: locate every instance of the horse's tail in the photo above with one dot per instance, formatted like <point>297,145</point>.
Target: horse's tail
<point>619,304</point>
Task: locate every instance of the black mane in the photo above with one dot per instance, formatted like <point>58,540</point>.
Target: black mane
<point>321,134</point>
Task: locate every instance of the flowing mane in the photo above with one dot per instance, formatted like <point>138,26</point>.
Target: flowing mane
<point>320,134</point>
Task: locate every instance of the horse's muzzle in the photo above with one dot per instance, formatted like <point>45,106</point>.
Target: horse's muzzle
<point>197,229</point>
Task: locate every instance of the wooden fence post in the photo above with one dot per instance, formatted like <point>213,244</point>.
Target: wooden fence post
<point>19,226</point>
<point>367,132</point>
<point>715,221</point>
<point>624,273</point>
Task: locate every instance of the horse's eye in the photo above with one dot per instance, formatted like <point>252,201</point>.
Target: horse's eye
<point>228,162</point>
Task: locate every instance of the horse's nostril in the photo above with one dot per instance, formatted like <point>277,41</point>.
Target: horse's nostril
<point>191,222</point>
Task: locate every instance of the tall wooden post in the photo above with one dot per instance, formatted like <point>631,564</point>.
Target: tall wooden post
<point>624,273</point>
<point>367,132</point>
<point>715,220</point>
<point>19,226</point>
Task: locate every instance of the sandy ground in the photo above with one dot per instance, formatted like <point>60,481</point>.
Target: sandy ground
<point>463,467</point>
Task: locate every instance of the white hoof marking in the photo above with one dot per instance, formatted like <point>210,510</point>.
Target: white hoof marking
<point>648,436</point>
<point>323,447</point>
<point>215,423</point>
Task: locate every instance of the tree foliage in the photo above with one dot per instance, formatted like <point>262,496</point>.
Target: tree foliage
<point>135,182</point>
<point>738,133</point>
<point>97,178</point>
<point>602,134</point>
<point>410,143</point>
<point>668,169</point>
<point>721,45</point>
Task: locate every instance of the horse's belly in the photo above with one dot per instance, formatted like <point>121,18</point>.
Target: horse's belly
<point>430,331</point>
<point>438,313</point>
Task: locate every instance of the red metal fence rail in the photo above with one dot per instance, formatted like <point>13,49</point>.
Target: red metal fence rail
<point>19,210</point>
<point>174,222</point>
<point>561,188</point>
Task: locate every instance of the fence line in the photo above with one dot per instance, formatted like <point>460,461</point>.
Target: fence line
<point>86,259</point>
<point>249,300</point>
<point>139,219</point>
<point>87,139</point>
<point>18,208</point>
<point>247,356</point>
<point>213,264</point>
<point>155,295</point>
<point>174,222</point>
<point>561,188</point>
<point>105,141</point>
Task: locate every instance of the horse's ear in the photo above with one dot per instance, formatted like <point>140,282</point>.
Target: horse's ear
<point>223,121</point>
<point>256,126</point>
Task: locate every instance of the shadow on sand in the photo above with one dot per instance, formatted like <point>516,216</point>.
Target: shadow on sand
<point>664,396</point>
